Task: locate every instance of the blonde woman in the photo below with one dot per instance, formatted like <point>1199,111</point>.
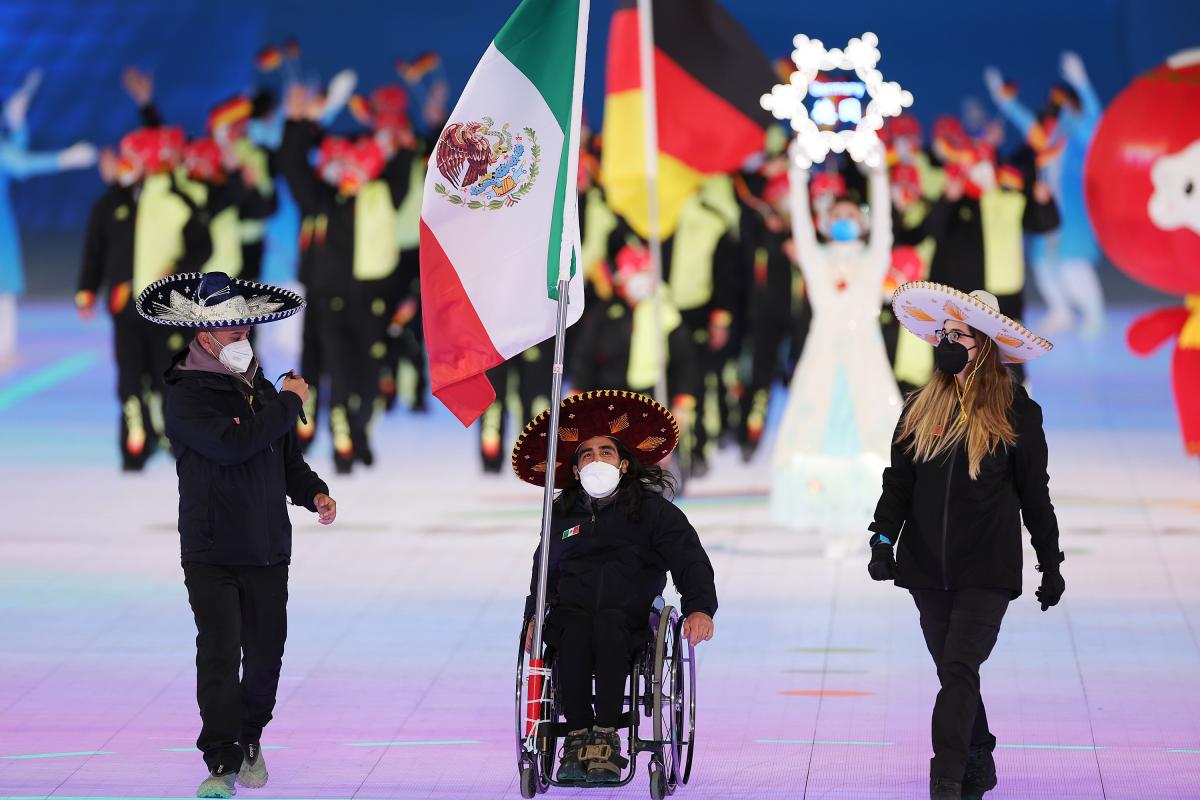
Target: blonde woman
<point>968,464</point>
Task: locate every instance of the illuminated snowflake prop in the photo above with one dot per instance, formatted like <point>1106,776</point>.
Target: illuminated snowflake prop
<point>886,99</point>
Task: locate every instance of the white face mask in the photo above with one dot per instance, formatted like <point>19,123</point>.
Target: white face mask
<point>639,287</point>
<point>237,356</point>
<point>599,479</point>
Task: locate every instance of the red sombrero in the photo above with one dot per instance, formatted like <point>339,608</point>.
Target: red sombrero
<point>645,427</point>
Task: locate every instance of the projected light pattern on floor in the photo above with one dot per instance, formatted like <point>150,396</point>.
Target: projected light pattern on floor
<point>397,681</point>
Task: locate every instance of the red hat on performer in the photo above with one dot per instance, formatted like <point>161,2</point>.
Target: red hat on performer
<point>826,185</point>
<point>158,150</point>
<point>202,159</point>
<point>905,126</point>
<point>906,182</point>
<point>776,190</point>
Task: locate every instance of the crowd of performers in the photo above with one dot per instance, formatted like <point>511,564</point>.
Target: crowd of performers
<point>961,206</point>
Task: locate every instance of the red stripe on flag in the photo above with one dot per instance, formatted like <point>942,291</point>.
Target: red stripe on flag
<point>623,71</point>
<point>719,137</point>
<point>695,125</point>
<point>460,350</point>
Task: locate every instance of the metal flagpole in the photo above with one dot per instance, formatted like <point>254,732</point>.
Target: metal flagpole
<point>650,150</point>
<point>570,236</point>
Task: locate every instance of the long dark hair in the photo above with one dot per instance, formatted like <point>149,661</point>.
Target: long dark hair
<point>638,480</point>
<point>940,415</point>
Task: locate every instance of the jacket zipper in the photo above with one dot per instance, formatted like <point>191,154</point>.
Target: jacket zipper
<point>600,585</point>
<point>946,518</point>
<point>270,446</point>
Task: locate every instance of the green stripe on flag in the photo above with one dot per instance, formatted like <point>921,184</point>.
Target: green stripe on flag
<point>539,40</point>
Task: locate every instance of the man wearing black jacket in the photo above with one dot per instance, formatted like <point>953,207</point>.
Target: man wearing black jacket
<point>352,197</point>
<point>127,228</point>
<point>614,536</point>
<point>238,464</point>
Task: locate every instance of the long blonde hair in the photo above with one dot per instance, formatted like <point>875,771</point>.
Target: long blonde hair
<point>940,415</point>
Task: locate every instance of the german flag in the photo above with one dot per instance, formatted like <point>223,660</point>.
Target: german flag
<point>269,58</point>
<point>413,71</point>
<point>230,112</point>
<point>709,77</point>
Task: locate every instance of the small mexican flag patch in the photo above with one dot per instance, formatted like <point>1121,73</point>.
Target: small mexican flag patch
<point>569,532</point>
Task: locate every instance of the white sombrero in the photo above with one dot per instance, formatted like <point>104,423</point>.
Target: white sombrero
<point>924,307</point>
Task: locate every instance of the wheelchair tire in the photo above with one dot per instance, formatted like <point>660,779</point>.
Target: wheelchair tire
<point>529,780</point>
<point>687,708</point>
<point>658,784</point>
<point>668,702</point>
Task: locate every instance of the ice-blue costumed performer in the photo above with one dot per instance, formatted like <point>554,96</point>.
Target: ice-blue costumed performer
<point>1063,261</point>
<point>18,163</point>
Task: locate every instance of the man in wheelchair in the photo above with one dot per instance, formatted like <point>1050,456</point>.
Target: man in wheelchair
<point>614,535</point>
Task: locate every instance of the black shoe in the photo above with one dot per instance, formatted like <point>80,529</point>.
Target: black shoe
<point>700,467</point>
<point>571,766</point>
<point>603,756</point>
<point>943,789</point>
<point>980,775</point>
<point>364,455</point>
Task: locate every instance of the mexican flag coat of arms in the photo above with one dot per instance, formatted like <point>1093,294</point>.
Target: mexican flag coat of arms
<point>499,194</point>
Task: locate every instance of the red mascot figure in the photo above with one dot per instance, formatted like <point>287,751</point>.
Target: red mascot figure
<point>1143,195</point>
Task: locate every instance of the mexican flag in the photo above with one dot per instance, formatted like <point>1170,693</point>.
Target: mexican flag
<point>498,214</point>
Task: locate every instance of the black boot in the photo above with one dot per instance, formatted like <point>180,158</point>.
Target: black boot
<point>603,756</point>
<point>944,789</point>
<point>980,775</point>
<point>571,766</point>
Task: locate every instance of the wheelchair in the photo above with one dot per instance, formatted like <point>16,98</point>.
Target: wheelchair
<point>661,687</point>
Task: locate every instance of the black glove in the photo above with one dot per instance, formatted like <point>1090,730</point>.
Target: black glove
<point>1052,588</point>
<point>883,563</point>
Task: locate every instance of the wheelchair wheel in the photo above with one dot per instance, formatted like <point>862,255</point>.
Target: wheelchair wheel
<point>668,700</point>
<point>686,713</point>
<point>529,780</point>
<point>536,756</point>
<point>658,784</point>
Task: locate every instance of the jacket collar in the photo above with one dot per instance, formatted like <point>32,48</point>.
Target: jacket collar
<point>178,371</point>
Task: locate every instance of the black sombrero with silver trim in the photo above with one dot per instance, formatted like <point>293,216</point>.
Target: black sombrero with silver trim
<point>214,300</point>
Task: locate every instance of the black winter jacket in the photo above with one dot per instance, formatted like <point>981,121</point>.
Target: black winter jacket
<point>601,558</point>
<point>237,458</point>
<point>329,264</point>
<point>958,533</point>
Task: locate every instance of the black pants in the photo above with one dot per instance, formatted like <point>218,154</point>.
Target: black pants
<point>252,260</point>
<point>774,323</point>
<point>347,330</point>
<point>241,620</point>
<point>532,372</point>
<point>142,356</point>
<point>714,393</point>
<point>960,630</point>
<point>587,644</point>
<point>312,367</point>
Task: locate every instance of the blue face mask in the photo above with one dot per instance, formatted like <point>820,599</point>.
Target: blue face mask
<point>844,230</point>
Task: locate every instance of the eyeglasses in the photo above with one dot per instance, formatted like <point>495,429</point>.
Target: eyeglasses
<point>953,336</point>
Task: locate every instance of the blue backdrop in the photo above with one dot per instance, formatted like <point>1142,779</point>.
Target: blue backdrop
<point>200,51</point>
